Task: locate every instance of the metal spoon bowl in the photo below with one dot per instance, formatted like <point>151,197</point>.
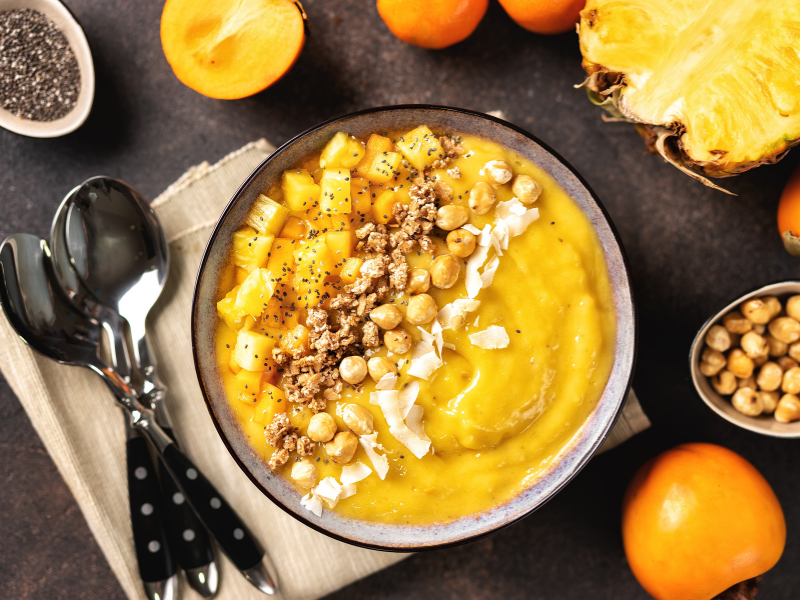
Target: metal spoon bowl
<point>764,424</point>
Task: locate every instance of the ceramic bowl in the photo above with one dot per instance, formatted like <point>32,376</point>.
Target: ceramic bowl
<point>559,473</point>
<point>765,424</point>
<point>60,15</point>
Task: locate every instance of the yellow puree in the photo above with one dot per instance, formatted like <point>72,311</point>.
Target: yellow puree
<point>496,418</point>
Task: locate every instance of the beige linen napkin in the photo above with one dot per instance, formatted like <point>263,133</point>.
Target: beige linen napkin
<point>82,429</point>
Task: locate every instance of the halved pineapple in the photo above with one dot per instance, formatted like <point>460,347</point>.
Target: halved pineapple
<point>335,191</point>
<point>251,249</point>
<point>255,292</point>
<point>342,152</point>
<point>252,350</point>
<point>267,216</point>
<point>420,147</point>
<point>711,84</point>
<point>300,192</point>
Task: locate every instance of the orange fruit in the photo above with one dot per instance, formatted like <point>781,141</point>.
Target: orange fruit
<point>789,214</point>
<point>699,519</point>
<point>432,24</point>
<point>545,16</point>
<point>231,49</point>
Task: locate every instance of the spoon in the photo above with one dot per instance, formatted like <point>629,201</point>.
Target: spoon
<point>119,252</point>
<point>190,539</point>
<point>43,316</point>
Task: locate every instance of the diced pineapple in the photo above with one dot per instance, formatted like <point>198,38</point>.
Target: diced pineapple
<point>296,339</point>
<point>331,288</point>
<point>227,310</point>
<point>251,249</point>
<point>350,270</point>
<point>271,402</point>
<point>385,166</point>
<point>335,195</point>
<point>340,243</point>
<point>361,200</point>
<point>273,372</point>
<point>267,216</point>
<point>255,292</point>
<point>317,222</point>
<point>239,275</point>
<point>278,317</point>
<point>249,323</point>
<point>314,264</point>
<point>342,152</point>
<point>248,385</point>
<point>252,350</point>
<point>233,365</point>
<point>299,190</point>
<point>295,229</point>
<point>281,259</point>
<point>377,144</point>
<point>382,209</point>
<point>421,147</point>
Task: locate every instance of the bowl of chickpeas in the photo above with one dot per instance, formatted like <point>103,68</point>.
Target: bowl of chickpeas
<point>745,361</point>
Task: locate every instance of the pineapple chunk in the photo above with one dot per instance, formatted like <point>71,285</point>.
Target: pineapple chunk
<point>233,365</point>
<point>340,244</point>
<point>281,260</point>
<point>250,249</point>
<point>299,190</point>
<point>296,339</point>
<point>335,197</point>
<point>240,274</point>
<point>361,200</point>
<point>350,270</point>
<point>317,222</point>
<point>385,166</point>
<point>267,216</point>
<point>377,144</point>
<point>271,402</point>
<point>253,350</point>
<point>420,147</point>
<point>248,385</point>
<point>227,310</point>
<point>278,317</point>
<point>382,209</point>
<point>255,292</point>
<point>314,264</point>
<point>342,152</point>
<point>295,229</point>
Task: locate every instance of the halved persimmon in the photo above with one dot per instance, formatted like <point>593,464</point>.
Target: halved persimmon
<point>230,49</point>
<point>789,214</point>
<point>429,24</point>
<point>545,16</point>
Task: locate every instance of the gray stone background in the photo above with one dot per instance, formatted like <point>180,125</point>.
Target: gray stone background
<point>691,249</point>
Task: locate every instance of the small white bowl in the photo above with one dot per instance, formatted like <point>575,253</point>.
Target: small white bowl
<point>58,14</point>
<point>765,424</point>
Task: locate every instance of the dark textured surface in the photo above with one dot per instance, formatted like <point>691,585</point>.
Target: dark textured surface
<point>691,250</point>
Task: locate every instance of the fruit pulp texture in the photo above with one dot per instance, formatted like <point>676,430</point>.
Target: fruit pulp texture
<point>498,419</point>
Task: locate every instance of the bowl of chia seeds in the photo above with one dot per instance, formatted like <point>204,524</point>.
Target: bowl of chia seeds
<point>46,69</point>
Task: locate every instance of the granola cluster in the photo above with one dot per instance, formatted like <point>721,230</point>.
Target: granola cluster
<point>281,435</point>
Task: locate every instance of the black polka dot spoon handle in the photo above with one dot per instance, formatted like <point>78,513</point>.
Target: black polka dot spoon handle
<point>157,566</point>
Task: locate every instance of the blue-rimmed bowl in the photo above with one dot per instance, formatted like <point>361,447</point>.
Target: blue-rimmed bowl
<point>561,470</point>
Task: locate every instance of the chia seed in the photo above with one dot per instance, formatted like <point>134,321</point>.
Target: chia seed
<point>39,74</point>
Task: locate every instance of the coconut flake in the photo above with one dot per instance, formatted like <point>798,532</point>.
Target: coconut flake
<point>436,326</point>
<point>426,337</point>
<point>348,490</point>
<point>491,338</point>
<point>439,341</point>
<point>421,349</point>
<point>379,462</point>
<point>386,382</point>
<point>375,397</point>
<point>414,422</point>
<point>354,473</point>
<point>485,237</point>
<point>329,490</point>
<point>453,315</point>
<point>472,278</point>
<point>488,273</point>
<point>397,427</point>
<point>312,503</point>
<point>471,228</point>
<point>424,366</point>
<point>500,236</point>
<point>407,397</point>
<point>513,207</point>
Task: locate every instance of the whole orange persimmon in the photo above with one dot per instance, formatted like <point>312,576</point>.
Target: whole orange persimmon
<point>699,519</point>
<point>545,16</point>
<point>432,25</point>
<point>789,214</point>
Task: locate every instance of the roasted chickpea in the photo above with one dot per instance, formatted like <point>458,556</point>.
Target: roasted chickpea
<point>769,400</point>
<point>740,364</point>
<point>526,189</point>
<point>499,171</point>
<point>342,447</point>
<point>386,316</point>
<point>774,306</point>
<point>794,350</point>
<point>422,309</point>
<point>760,328</point>
<point>358,419</point>
<point>419,281</point>
<point>769,377</point>
<point>481,198</point>
<point>791,381</point>
<point>776,347</point>
<point>788,409</point>
<point>712,362</point>
<point>747,402</point>
<point>754,345</point>
<point>304,473</point>
<point>444,271</point>
<point>748,382</point>
<point>353,369</point>
<point>321,427</point>
<point>760,360</point>
<point>755,310</point>
<point>786,363</point>
<point>397,340</point>
<point>379,366</point>
<point>785,329</point>
<point>793,307</point>
<point>451,216</point>
<point>718,338</point>
<point>461,242</point>
<point>736,323</point>
<point>724,382</point>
